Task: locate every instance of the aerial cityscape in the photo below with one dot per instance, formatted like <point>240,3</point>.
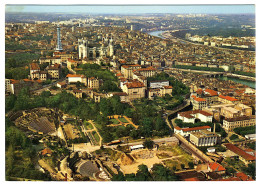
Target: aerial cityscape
<point>130,93</point>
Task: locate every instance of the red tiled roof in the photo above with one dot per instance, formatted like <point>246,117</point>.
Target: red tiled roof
<point>147,69</point>
<point>120,94</point>
<point>195,128</point>
<point>61,83</point>
<point>75,75</point>
<point>119,74</point>
<point>177,128</point>
<point>228,98</point>
<point>229,179</point>
<point>240,152</point>
<point>168,87</point>
<point>199,91</point>
<point>211,92</point>
<point>34,66</point>
<point>243,177</point>
<point>192,179</point>
<point>14,81</point>
<point>135,84</point>
<point>46,151</point>
<point>54,67</point>
<point>187,113</point>
<point>216,167</point>
<point>199,99</point>
<point>72,61</point>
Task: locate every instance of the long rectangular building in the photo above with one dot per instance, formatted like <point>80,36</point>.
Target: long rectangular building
<point>244,121</point>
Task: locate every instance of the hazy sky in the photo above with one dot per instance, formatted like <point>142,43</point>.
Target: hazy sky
<point>207,9</point>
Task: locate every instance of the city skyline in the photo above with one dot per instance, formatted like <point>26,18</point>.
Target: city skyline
<point>133,9</point>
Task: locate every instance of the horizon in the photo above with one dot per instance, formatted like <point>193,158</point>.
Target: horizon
<point>132,9</point>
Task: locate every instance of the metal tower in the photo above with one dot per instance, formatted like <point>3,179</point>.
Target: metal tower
<point>59,46</point>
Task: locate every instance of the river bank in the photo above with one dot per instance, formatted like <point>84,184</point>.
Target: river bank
<point>251,84</point>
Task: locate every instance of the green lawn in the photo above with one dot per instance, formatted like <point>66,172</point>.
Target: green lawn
<point>88,125</point>
<point>114,121</point>
<point>123,120</point>
<point>95,136</point>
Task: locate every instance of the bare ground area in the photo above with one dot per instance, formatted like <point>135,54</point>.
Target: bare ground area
<point>145,157</point>
<point>71,131</point>
<point>170,158</point>
<point>53,172</point>
<point>85,147</point>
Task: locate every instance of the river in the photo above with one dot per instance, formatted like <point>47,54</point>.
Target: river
<point>245,82</point>
<point>156,33</point>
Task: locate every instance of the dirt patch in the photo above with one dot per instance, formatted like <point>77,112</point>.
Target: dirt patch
<point>143,154</point>
<point>164,154</point>
<point>125,159</point>
<point>71,131</point>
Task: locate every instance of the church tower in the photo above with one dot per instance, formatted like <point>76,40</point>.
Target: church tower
<point>111,47</point>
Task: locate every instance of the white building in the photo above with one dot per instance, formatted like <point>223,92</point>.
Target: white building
<point>74,78</point>
<point>136,147</point>
<point>191,116</point>
<point>159,84</point>
<point>186,131</point>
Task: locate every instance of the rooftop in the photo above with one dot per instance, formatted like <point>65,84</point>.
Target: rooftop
<point>74,75</point>
<point>228,98</point>
<point>34,66</point>
<point>240,152</point>
<point>214,166</point>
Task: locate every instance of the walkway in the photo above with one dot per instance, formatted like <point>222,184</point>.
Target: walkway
<point>185,104</point>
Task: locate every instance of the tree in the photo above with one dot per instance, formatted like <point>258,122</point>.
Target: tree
<point>250,170</point>
<point>142,173</point>
<point>233,137</point>
<point>161,173</point>
<point>148,143</point>
<point>191,165</point>
<point>119,177</point>
<point>146,127</point>
<point>109,86</point>
<point>10,102</point>
<point>159,123</point>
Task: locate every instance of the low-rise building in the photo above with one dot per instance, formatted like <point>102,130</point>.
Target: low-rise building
<point>147,72</point>
<point>74,78</point>
<point>216,167</point>
<point>93,83</point>
<point>198,103</point>
<point>244,121</point>
<point>77,93</point>
<point>243,156</point>
<point>152,93</point>
<point>127,70</point>
<point>227,99</point>
<point>191,116</point>
<point>186,131</point>
<point>61,84</point>
<point>54,71</point>
<point>124,98</point>
<point>204,138</point>
<point>159,84</point>
<point>134,89</point>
